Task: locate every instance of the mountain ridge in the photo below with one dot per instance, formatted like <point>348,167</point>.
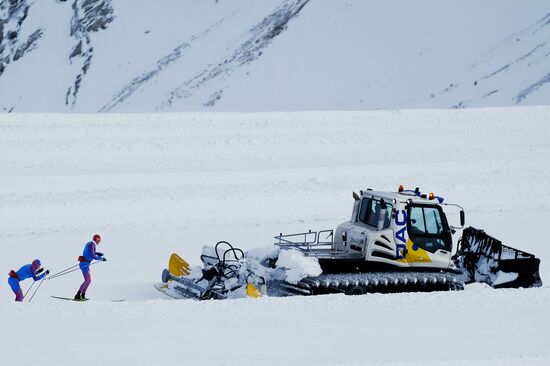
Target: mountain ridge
<point>137,56</point>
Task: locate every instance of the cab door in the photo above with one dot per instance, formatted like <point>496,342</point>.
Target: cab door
<point>429,231</point>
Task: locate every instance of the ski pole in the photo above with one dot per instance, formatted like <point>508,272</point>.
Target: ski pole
<point>38,288</point>
<point>66,270</point>
<point>69,270</point>
<point>62,274</point>
<point>32,284</point>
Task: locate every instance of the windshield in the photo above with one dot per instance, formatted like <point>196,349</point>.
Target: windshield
<point>370,212</point>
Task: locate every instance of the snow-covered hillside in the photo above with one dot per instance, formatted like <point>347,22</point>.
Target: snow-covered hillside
<point>247,55</point>
<point>153,184</point>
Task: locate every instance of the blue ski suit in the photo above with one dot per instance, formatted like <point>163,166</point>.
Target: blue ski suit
<point>88,255</point>
<point>27,271</point>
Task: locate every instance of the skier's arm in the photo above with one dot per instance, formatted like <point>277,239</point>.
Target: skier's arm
<point>35,276</point>
<point>96,255</point>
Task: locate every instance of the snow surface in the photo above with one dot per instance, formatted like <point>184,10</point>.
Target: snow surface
<point>153,184</point>
<point>249,55</point>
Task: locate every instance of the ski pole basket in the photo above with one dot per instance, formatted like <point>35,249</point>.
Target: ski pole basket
<point>485,259</point>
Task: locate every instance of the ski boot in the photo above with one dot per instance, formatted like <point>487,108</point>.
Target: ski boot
<point>80,296</point>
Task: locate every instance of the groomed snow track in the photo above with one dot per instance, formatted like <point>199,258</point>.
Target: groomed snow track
<point>376,282</point>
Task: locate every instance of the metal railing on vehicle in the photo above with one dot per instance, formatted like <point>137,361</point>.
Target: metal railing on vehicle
<point>309,240</point>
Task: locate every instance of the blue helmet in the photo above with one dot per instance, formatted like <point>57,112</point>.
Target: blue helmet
<point>36,263</point>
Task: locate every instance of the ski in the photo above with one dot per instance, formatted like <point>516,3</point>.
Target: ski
<point>68,298</point>
<point>71,299</point>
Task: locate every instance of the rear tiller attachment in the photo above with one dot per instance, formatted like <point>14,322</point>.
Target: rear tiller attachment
<point>482,258</point>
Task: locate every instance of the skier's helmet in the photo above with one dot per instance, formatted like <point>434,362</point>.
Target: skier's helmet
<point>36,263</point>
<point>97,238</point>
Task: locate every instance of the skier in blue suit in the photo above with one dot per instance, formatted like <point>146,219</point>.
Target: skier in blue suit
<point>32,270</point>
<point>88,255</point>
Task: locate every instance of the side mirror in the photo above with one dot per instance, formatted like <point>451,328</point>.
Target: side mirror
<point>462,219</point>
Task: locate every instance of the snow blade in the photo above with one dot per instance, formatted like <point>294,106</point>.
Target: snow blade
<point>178,266</point>
<point>482,258</point>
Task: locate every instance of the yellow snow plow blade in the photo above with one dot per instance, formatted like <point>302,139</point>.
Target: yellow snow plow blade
<point>252,291</point>
<point>178,266</point>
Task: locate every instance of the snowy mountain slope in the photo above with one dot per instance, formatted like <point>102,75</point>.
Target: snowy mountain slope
<point>12,46</point>
<point>246,51</point>
<point>88,17</point>
<point>521,59</point>
<point>244,55</point>
<point>153,184</point>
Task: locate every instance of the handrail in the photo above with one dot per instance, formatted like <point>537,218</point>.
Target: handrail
<point>307,242</point>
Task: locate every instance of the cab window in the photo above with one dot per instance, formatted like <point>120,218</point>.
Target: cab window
<point>370,212</point>
<point>426,220</point>
<point>426,228</point>
<point>432,220</point>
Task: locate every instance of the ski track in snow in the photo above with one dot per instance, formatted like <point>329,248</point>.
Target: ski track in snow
<point>154,184</point>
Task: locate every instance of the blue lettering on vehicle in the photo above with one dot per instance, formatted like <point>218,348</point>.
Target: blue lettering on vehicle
<point>401,248</point>
<point>400,251</point>
<point>399,222</point>
<point>400,235</point>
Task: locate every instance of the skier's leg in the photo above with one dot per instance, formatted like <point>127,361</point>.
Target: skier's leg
<point>87,281</point>
<point>16,288</point>
<point>19,295</point>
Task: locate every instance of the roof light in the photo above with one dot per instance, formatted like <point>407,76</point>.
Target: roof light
<point>431,196</point>
<point>401,188</point>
